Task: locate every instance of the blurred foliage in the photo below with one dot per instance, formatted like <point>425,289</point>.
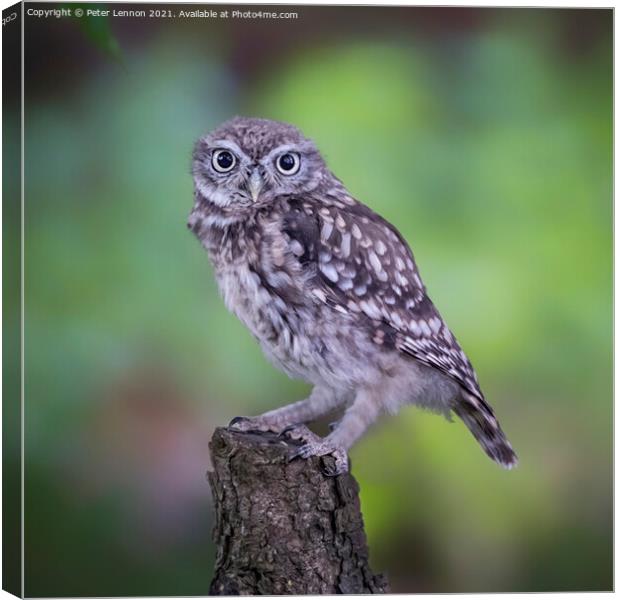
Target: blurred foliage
<point>489,147</point>
<point>97,29</point>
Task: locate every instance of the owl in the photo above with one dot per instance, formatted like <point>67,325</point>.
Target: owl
<point>329,289</point>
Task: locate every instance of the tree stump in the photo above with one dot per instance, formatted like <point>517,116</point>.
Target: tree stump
<point>283,527</point>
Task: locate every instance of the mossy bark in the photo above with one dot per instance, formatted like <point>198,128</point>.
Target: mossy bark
<point>283,527</point>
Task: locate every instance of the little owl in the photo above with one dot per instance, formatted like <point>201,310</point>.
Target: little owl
<point>329,289</point>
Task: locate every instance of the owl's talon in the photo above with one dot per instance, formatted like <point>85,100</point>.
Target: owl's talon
<point>340,466</point>
<point>323,448</point>
<point>247,424</point>
<point>304,451</point>
<point>299,432</point>
<point>294,454</point>
<point>287,430</point>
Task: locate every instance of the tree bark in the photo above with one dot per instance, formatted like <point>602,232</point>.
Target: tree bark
<point>283,527</point>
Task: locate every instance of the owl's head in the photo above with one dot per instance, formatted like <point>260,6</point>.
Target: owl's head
<point>247,162</point>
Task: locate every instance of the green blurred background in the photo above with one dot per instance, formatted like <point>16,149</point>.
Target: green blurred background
<point>485,135</point>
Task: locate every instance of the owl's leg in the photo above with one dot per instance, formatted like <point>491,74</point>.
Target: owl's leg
<point>321,401</point>
<point>364,411</point>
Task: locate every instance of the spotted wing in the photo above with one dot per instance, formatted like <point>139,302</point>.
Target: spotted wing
<point>365,267</point>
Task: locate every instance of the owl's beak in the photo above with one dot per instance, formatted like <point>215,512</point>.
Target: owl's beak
<point>255,184</point>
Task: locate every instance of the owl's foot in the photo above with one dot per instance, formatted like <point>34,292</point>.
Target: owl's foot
<point>317,446</point>
<point>257,424</point>
<point>299,432</point>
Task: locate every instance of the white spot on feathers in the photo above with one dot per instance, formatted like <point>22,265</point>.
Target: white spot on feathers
<point>329,271</point>
<point>435,324</point>
<point>345,245</point>
<point>296,248</point>
<point>400,279</point>
<point>354,306</point>
<point>320,294</point>
<point>371,309</point>
<point>326,215</point>
<point>375,262</point>
<point>345,284</point>
<point>396,319</point>
<point>326,230</point>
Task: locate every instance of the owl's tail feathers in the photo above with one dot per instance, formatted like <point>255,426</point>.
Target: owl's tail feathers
<point>480,420</point>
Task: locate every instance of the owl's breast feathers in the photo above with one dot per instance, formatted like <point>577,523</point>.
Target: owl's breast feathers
<point>349,258</point>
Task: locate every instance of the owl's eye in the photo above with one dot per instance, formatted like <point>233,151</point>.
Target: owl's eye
<point>288,163</point>
<point>223,161</point>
